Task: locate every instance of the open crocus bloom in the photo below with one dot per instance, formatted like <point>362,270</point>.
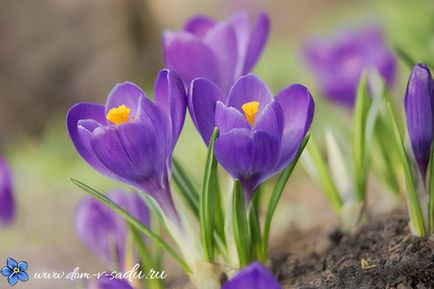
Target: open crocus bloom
<point>259,134</point>
<point>338,63</point>
<point>103,231</point>
<point>131,139</point>
<point>219,51</point>
<point>7,201</point>
<point>419,102</point>
<point>254,276</point>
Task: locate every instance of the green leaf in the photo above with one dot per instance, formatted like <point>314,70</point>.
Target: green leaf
<point>416,214</point>
<point>208,201</point>
<point>277,193</point>
<point>318,170</point>
<point>134,222</point>
<point>240,225</point>
<point>431,194</point>
<point>359,140</point>
<point>146,260</point>
<point>185,187</point>
<point>255,227</point>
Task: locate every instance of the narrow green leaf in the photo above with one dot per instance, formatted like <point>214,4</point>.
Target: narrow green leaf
<point>318,170</point>
<point>277,193</point>
<point>431,193</point>
<point>208,201</point>
<point>255,228</point>
<point>146,259</point>
<point>219,223</point>
<point>134,222</point>
<point>240,225</point>
<point>416,214</point>
<point>359,141</point>
<point>185,187</point>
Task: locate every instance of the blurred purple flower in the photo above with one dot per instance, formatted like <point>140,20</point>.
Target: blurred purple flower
<point>219,51</point>
<point>7,200</point>
<point>338,64</point>
<point>103,231</point>
<point>254,276</point>
<point>109,283</point>
<point>259,133</point>
<point>419,102</point>
<point>131,139</point>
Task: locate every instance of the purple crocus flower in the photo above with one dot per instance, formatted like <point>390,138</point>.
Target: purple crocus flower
<point>7,201</point>
<point>109,283</point>
<point>338,63</point>
<point>220,51</point>
<point>103,231</point>
<point>419,101</point>
<point>131,139</point>
<point>254,276</point>
<point>259,133</point>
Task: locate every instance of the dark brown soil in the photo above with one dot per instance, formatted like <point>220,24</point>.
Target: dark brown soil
<point>392,258</point>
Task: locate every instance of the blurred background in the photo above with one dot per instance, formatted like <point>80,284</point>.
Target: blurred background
<point>54,53</point>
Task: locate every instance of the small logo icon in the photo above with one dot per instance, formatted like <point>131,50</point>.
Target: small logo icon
<point>15,271</point>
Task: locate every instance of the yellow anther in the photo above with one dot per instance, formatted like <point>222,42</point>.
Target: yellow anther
<point>16,270</point>
<point>250,109</point>
<point>118,115</point>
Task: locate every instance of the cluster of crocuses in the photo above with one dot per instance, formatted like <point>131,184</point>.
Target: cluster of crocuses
<point>377,140</point>
<point>250,133</point>
<point>253,136</point>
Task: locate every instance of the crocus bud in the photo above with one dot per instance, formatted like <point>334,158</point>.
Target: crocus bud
<point>7,200</point>
<point>254,276</point>
<point>219,51</point>
<point>419,112</point>
<point>103,231</point>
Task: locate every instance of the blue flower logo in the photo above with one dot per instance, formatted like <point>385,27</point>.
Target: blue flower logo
<point>15,271</point>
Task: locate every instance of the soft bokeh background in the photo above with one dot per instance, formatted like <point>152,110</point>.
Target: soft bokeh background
<point>54,53</point>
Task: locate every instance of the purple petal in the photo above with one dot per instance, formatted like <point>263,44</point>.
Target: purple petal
<point>338,63</point>
<point>127,94</point>
<point>108,283</point>
<point>247,155</point>
<point>258,38</point>
<point>270,119</point>
<point>418,109</point>
<point>203,96</point>
<point>222,41</point>
<point>190,57</point>
<point>98,227</point>
<point>254,276</point>
<point>228,118</point>
<point>170,98</point>
<point>80,135</point>
<point>240,24</point>
<point>298,107</point>
<point>249,88</point>
<point>132,152</point>
<point>7,200</point>
<point>199,25</point>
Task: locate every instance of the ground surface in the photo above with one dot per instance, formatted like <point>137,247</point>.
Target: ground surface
<point>392,258</point>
